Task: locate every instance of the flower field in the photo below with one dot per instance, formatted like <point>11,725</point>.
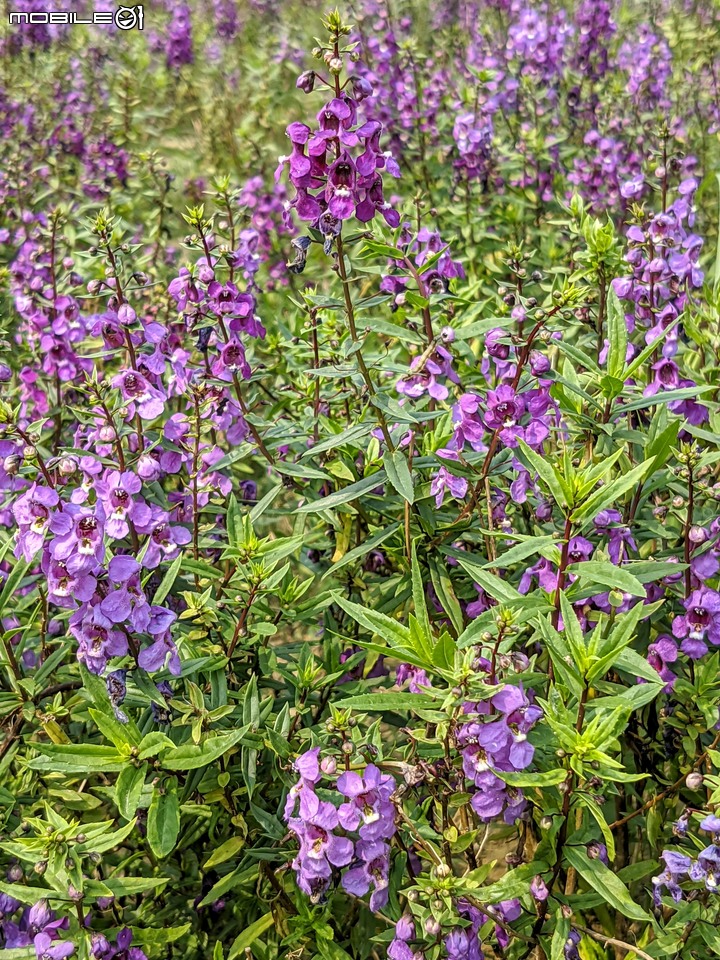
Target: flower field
<point>360,480</point>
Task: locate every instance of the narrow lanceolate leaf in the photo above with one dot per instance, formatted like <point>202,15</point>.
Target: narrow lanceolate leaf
<point>550,476</point>
<point>69,758</point>
<point>494,586</point>
<point>166,584</point>
<point>351,492</point>
<point>522,550</point>
<point>611,493</point>
<point>606,883</point>
<point>402,702</point>
<point>128,789</point>
<point>617,335</point>
<point>608,575</point>
<point>163,822</point>
<point>250,935</point>
<point>418,592</point>
<point>390,630</point>
<point>191,756</point>
<point>362,549</point>
<point>398,472</point>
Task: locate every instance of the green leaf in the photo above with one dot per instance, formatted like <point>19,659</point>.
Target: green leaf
<point>398,472</point>
<point>524,549</point>
<point>609,575</point>
<point>548,474</point>
<point>596,810</point>
<point>128,789</point>
<point>446,594</point>
<point>168,580</point>
<point>12,582</point>
<point>515,883</point>
<point>380,702</point>
<point>224,852</point>
<point>608,494</point>
<point>573,633</point>
<point>125,886</point>
<point>351,492</point>
<point>637,362</point>
<point>547,778</point>
<point>565,669</point>
<point>69,758</point>
<point>364,548</point>
<point>30,895</point>
<point>163,822</point>
<point>250,935</point>
<point>665,396</point>
<point>121,735</point>
<point>394,633</point>
<point>632,663</point>
<point>606,883</point>
<point>605,652</point>
<point>191,756</point>
<point>418,593</point>
<point>617,336</point>
<point>495,586</point>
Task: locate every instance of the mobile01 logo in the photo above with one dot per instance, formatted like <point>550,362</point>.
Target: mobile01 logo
<point>124,18</point>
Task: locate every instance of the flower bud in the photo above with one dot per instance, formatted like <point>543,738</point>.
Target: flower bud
<point>616,598</point>
<point>432,926</point>
<point>538,889</point>
<point>126,315</point>
<point>5,373</point>
<point>405,928</point>
<point>694,780</point>
<point>306,81</point>
<point>67,466</point>
<point>12,463</point>
<point>328,765</point>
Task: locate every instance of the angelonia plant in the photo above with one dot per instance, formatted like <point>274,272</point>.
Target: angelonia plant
<point>359,482</point>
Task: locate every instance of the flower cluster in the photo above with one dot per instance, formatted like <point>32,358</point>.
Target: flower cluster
<point>337,168</point>
<point>495,741</point>
<point>366,811</point>
<point>679,867</point>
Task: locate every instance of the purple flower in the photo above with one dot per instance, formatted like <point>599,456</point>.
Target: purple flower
<point>98,641</point>
<point>139,395</point>
<point>372,872</point>
<point>711,824</point>
<point>660,654</point>
<point>164,541</point>
<point>47,949</point>
<point>320,848</point>
<point>707,868</point>
<point>308,766</point>
<point>444,480</point>
<point>79,543</point>
<point>117,492</point>
<point>368,809</point>
<point>677,865</point>
<point>415,677</point>
<point>154,657</point>
<point>33,511</point>
<point>538,889</point>
<point>700,622</point>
